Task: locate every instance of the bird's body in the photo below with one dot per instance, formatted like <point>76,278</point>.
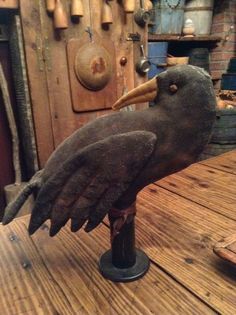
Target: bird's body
<point>115,156</point>
<point>169,156</point>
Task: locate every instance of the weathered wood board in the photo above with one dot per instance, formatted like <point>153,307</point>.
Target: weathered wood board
<point>225,162</point>
<point>179,235</point>
<point>37,78</point>
<point>42,275</point>
<point>226,248</point>
<point>48,71</point>
<point>207,186</point>
<point>87,100</point>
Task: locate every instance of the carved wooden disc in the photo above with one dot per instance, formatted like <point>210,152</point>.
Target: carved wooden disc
<point>93,66</point>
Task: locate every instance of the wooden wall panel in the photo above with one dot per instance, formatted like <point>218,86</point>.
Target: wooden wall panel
<point>33,41</point>
<point>50,87</point>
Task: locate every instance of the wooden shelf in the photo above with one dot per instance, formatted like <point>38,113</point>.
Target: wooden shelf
<point>216,78</point>
<point>200,38</point>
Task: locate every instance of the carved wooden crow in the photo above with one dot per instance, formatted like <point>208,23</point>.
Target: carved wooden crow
<point>107,162</point>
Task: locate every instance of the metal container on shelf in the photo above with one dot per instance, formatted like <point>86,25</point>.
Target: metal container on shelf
<point>223,138</point>
<point>200,57</point>
<point>167,17</point>
<point>224,130</point>
<point>232,65</point>
<point>228,81</point>
<point>157,53</point>
<point>200,12</point>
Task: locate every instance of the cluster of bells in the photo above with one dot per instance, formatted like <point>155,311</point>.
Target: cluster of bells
<point>56,8</point>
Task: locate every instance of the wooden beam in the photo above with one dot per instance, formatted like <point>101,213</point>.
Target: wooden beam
<point>33,43</point>
<point>200,38</point>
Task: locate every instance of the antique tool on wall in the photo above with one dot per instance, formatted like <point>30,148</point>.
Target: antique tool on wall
<point>60,16</point>
<point>142,15</point>
<point>77,8</point>
<point>50,5</point>
<point>95,171</point>
<point>12,190</point>
<point>143,65</point>
<point>22,93</point>
<point>129,6</point>
<point>106,17</point>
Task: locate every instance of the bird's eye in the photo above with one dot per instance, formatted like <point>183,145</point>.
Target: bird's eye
<point>173,88</point>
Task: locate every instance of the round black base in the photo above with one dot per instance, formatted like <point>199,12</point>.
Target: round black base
<point>138,270</point>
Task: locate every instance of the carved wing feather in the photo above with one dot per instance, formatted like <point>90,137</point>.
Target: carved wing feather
<point>86,185</point>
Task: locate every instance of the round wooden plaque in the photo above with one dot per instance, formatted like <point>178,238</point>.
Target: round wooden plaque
<point>93,66</point>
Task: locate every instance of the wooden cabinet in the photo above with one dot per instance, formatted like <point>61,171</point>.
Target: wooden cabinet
<point>52,92</point>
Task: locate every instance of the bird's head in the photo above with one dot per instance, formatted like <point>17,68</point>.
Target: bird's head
<point>182,88</point>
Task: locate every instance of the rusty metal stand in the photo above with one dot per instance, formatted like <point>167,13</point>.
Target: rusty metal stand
<point>123,262</point>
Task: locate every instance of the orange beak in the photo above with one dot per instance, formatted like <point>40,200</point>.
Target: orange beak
<point>143,93</point>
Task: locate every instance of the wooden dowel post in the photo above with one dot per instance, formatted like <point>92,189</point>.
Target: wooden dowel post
<point>123,263</point>
<point>123,244</point>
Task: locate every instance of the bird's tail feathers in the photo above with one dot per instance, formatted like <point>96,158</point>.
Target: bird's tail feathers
<point>14,206</point>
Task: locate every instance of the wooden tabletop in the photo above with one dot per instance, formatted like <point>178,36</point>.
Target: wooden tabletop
<point>179,220</point>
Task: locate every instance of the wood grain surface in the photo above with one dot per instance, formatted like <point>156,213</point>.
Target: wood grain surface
<point>83,99</point>
<point>43,275</point>
<point>180,238</point>
<point>212,188</point>
<point>33,41</point>
<point>225,162</point>
<point>226,248</point>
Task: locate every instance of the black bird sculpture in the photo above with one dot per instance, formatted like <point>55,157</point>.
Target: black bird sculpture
<point>107,162</point>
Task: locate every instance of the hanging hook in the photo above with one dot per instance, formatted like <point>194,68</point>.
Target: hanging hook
<point>90,32</point>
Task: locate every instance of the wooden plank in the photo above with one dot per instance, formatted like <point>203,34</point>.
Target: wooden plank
<point>64,120</point>
<point>84,99</point>
<point>9,4</point>
<point>225,162</point>
<point>226,248</point>
<point>202,184</point>
<point>62,278</point>
<point>179,236</point>
<point>123,24</point>
<point>32,33</point>
<point>201,38</point>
